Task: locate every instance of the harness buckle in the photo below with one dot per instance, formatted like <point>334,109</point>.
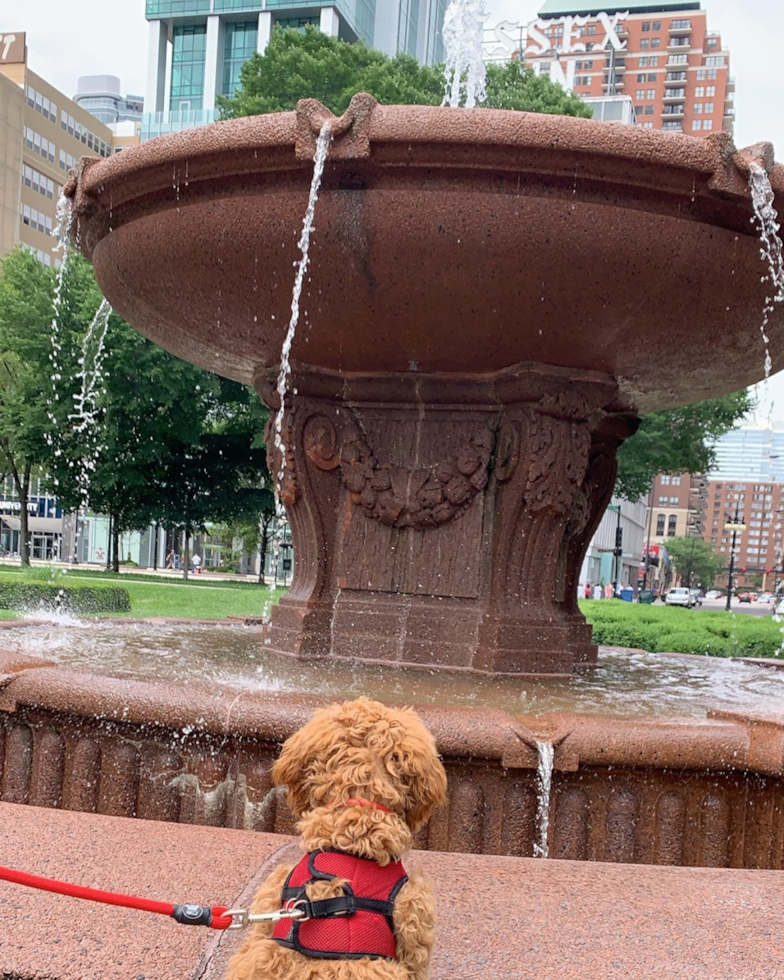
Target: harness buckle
<point>242,918</point>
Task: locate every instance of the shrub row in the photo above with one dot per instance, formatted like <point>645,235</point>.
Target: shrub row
<point>663,630</point>
<point>32,596</point>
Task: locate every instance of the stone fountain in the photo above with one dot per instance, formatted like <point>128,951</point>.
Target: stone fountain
<point>493,299</point>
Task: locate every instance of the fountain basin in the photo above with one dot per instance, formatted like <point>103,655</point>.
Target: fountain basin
<point>692,790</point>
<point>457,241</point>
<point>491,298</point>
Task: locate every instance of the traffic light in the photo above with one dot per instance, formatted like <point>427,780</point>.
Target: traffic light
<point>618,542</point>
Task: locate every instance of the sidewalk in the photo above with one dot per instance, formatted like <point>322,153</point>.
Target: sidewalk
<point>519,919</point>
<point>205,575</point>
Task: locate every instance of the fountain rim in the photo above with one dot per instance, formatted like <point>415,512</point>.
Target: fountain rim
<point>416,135</point>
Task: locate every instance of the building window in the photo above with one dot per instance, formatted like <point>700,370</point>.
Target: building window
<point>660,526</point>
<point>713,42</point>
<point>676,481</point>
<point>679,59</point>
<point>241,42</point>
<point>715,60</point>
<point>645,43</point>
<point>651,93</point>
<point>649,110</point>
<point>189,53</point>
<point>672,524</point>
<point>665,480</point>
<point>711,90</point>
<point>643,62</point>
<point>709,108</point>
<point>696,125</point>
<point>641,77</point>
<point>655,42</point>
<point>672,127</point>
<point>674,500</point>
<point>707,124</point>
<point>656,25</point>
<point>652,76</point>
<point>653,61</point>
<point>640,94</point>
<point>697,107</point>
<point>699,92</point>
<point>646,26</point>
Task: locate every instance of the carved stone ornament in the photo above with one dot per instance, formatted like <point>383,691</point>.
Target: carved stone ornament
<point>558,457</point>
<point>397,495</point>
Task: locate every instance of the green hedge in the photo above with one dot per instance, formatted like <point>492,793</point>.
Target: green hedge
<point>676,630</point>
<point>32,596</point>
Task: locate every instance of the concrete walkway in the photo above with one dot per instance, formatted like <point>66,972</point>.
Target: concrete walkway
<point>516,919</point>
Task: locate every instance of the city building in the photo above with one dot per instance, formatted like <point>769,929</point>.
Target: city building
<point>100,95</point>
<point>755,452</point>
<point>197,47</point>
<point>676,506</point>
<point>759,549</point>
<point>43,135</point>
<point>599,565</point>
<point>659,53</point>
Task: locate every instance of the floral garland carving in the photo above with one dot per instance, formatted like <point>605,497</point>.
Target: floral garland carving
<point>396,495</point>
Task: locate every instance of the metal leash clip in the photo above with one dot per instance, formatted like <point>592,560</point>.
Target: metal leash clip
<point>241,918</point>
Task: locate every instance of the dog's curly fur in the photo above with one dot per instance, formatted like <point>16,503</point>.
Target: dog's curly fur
<point>360,749</point>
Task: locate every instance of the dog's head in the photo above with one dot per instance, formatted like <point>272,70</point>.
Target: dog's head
<point>363,749</point>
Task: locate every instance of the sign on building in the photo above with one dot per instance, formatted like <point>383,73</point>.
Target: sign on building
<point>12,48</point>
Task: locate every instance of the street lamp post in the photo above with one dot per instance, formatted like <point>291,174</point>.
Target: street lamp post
<point>737,527</point>
<point>618,549</point>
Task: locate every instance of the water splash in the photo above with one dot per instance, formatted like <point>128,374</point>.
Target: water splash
<point>85,414</point>
<point>284,375</point>
<point>766,216</point>
<point>464,71</point>
<point>544,773</point>
<point>62,233</point>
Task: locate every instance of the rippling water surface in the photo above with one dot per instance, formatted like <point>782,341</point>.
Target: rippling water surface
<point>625,682</point>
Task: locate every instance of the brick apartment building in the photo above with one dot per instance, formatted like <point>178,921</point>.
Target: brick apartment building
<point>759,550</point>
<point>660,54</point>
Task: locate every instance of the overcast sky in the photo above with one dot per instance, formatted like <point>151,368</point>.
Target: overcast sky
<point>68,38</point>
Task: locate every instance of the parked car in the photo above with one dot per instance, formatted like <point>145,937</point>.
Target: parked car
<point>680,597</point>
<point>767,598</point>
<point>713,594</point>
<point>746,597</point>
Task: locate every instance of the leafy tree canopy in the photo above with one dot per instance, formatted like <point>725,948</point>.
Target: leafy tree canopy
<point>309,64</point>
<point>677,441</point>
<point>695,560</point>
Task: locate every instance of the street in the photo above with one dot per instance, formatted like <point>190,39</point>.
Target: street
<point>749,609</point>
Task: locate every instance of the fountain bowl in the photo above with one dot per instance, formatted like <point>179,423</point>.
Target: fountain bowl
<point>447,241</point>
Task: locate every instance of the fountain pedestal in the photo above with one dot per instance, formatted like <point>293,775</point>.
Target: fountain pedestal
<point>442,521</point>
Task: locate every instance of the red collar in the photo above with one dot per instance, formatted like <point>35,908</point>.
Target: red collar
<point>358,801</point>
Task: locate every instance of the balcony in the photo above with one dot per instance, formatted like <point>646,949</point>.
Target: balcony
<point>676,112</point>
<point>679,27</point>
<point>617,85</point>
<point>618,67</point>
<point>678,82</point>
<point>674,48</point>
<point>731,84</point>
<point>670,97</point>
<point>677,64</point>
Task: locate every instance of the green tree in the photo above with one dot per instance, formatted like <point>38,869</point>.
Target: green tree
<point>27,371</point>
<point>170,443</point>
<point>695,560</point>
<point>677,441</point>
<point>309,64</point>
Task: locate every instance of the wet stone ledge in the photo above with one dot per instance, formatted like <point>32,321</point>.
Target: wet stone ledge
<point>703,793</point>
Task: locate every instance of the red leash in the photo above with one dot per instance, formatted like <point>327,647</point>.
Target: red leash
<point>189,915</point>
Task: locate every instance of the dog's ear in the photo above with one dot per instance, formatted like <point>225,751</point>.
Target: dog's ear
<point>427,779</point>
<point>292,765</point>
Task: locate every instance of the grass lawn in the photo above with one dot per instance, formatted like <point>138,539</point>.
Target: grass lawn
<point>164,596</point>
<point>669,629</point>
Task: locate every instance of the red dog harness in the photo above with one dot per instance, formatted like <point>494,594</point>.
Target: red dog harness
<point>350,926</point>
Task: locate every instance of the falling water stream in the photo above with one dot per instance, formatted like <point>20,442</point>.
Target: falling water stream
<point>544,772</point>
<point>766,216</point>
<point>284,375</point>
<point>464,69</point>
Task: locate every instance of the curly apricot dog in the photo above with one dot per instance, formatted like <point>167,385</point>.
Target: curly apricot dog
<point>361,777</point>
